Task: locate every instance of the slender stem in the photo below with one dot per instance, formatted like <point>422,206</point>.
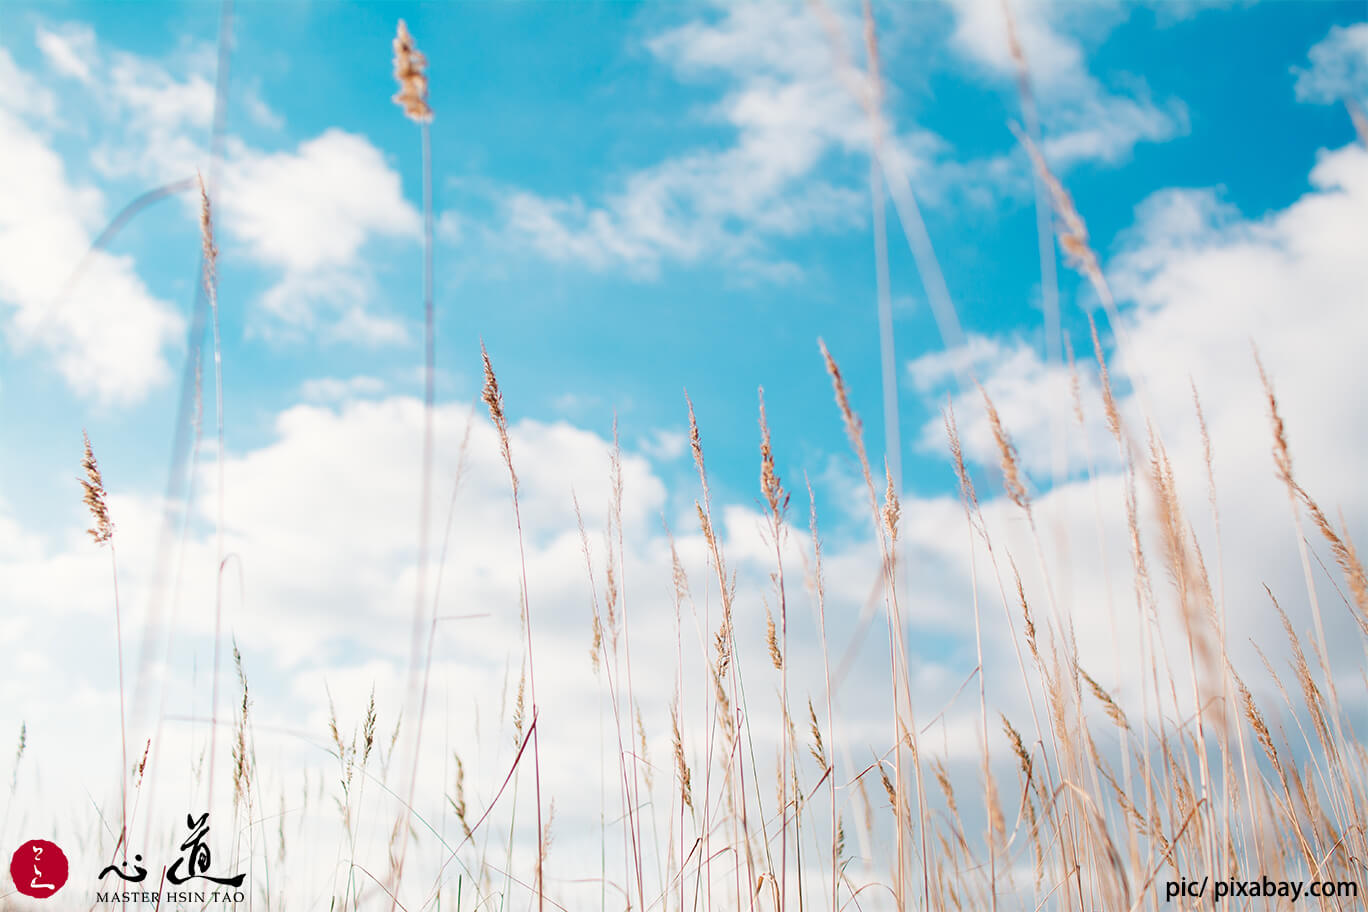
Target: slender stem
<point>424,505</point>
<point>123,724</point>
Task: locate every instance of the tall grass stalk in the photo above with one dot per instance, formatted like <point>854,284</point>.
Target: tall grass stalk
<point>410,70</point>
<point>102,532</point>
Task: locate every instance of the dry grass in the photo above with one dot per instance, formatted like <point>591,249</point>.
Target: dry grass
<point>1116,791</point>
<point>410,71</point>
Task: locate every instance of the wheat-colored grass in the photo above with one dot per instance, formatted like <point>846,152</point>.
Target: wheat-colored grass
<point>1115,791</point>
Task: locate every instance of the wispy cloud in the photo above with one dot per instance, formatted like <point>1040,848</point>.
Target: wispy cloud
<point>69,49</point>
<point>1084,121</point>
<point>789,115</point>
<point>335,389</point>
<point>800,133</point>
<point>308,214</point>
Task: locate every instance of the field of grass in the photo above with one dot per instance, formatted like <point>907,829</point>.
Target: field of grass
<point>748,790</point>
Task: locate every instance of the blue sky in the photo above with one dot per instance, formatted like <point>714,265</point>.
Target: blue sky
<point>562,104</point>
<point>631,201</point>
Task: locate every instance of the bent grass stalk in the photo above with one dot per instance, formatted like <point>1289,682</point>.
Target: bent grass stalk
<point>493,398</point>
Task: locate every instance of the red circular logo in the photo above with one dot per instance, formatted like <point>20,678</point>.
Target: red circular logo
<point>38,868</point>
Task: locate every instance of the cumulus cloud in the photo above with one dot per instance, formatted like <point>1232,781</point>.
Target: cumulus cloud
<point>1044,403</point>
<point>1339,66</point>
<point>307,213</point>
<point>1204,285</point>
<point>313,208</point>
<point>107,333</point>
<point>321,523</point>
<point>321,520</point>
<point>319,599</point>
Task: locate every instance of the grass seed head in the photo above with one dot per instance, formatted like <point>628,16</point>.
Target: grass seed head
<point>772,641</point>
<point>410,70</point>
<point>681,765</point>
<point>209,250</point>
<point>818,748</point>
<point>95,496</point>
<point>775,495</point>
<point>1019,750</point>
<point>957,455</point>
<point>1108,400</point>
<point>1011,461</point>
<point>892,509</point>
<point>1109,705</point>
<point>493,398</point>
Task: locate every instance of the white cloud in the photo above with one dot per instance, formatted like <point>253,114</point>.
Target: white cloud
<point>1038,397</point>
<point>1339,66</point>
<point>310,213</point>
<point>144,90</point>
<point>328,305</point>
<point>981,34</point>
<point>1203,284</point>
<point>157,97</point>
<point>322,520</point>
<point>307,213</point>
<point>664,445</point>
<point>108,334</point>
<point>791,115</point>
<point>336,389</point>
<point>314,208</point>
<point>321,523</point>
<point>793,100</point>
<point>1105,129</point>
<point>1083,121</point>
<point>261,113</point>
<point>70,50</point>
<point>23,93</point>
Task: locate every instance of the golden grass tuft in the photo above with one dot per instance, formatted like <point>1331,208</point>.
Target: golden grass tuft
<point>1074,236</point>
<point>1100,807</point>
<point>891,511</point>
<point>458,800</point>
<point>207,247</point>
<point>95,496</point>
<point>410,70</point>
<point>1010,459</point>
<point>772,641</point>
<point>493,399</point>
<point>854,428</point>
<point>242,763</point>
<point>775,496</point>
<point>682,772</point>
<point>1341,546</point>
<point>966,484</point>
<point>1109,705</point>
